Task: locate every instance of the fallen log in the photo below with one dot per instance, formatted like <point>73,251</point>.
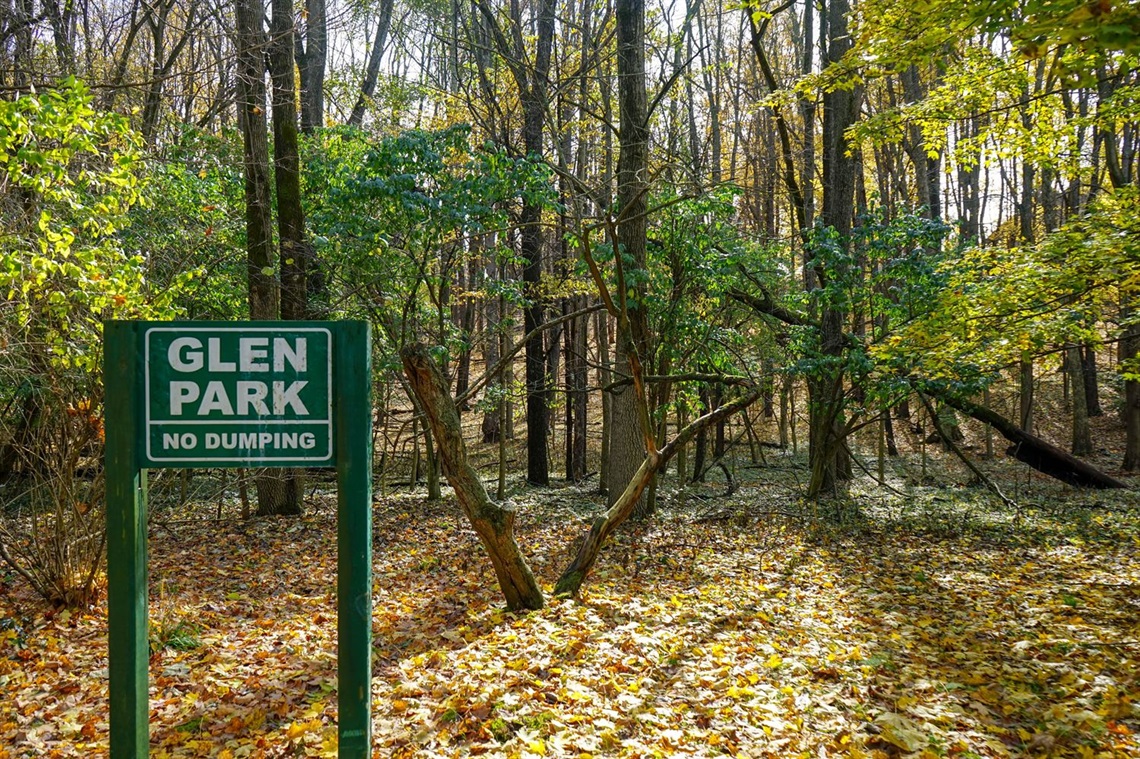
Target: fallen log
<point>1032,450</point>
<point>1029,449</point>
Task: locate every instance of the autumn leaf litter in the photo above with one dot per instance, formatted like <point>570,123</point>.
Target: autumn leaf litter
<point>733,629</point>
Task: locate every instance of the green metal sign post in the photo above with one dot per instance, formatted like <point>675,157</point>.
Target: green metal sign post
<point>236,394</point>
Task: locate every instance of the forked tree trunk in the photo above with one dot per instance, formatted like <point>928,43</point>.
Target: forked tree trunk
<point>493,524</point>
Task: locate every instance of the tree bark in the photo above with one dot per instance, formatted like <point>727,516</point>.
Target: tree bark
<point>1092,391</point>
<point>280,491</point>
<point>1129,350</point>
<point>312,58</point>
<point>493,524</point>
<point>273,492</point>
<point>576,375</point>
<point>372,71</point>
<point>1082,437</point>
<point>537,388</point>
<point>1025,381</point>
<point>295,252</point>
<point>493,395</point>
<point>830,463</point>
<point>255,139</point>
<point>627,441</point>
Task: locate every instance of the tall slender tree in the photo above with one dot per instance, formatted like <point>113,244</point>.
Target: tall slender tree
<point>533,85</point>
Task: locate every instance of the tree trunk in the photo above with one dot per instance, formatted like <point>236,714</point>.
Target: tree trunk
<point>273,492</point>
<point>533,93</point>
<point>492,523</point>
<point>701,442</point>
<point>295,252</point>
<point>493,395</point>
<point>605,377</point>
<point>312,57</point>
<point>830,463</point>
<point>280,491</point>
<point>1082,437</point>
<point>627,442</point>
<point>1129,350</point>
<point>255,139</point>
<point>576,375</point>
<point>532,85</point>
<point>372,71</point>
<point>1026,394</point>
<point>1092,390</point>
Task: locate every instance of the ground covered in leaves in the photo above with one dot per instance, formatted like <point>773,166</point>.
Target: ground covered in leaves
<point>925,622</point>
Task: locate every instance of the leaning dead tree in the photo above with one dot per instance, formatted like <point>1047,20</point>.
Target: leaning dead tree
<point>1032,450</point>
<point>494,524</point>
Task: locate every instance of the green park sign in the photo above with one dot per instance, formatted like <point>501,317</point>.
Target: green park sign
<point>236,394</point>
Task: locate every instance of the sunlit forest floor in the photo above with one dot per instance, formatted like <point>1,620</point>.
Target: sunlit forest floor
<point>926,619</point>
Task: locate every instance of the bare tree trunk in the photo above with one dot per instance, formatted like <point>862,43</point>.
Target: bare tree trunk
<point>251,111</point>
<point>492,523</point>
<point>627,443</point>
<point>1129,350</point>
<point>830,463</point>
<point>534,97</point>
<point>1092,391</point>
<point>281,491</point>
<point>605,377</point>
<point>1025,375</point>
<point>492,316</point>
<point>372,71</point>
<point>701,439</point>
<point>1082,438</point>
<point>272,492</point>
<point>312,57</point>
<point>576,374</point>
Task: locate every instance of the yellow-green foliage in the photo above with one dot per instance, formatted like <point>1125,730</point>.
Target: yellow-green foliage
<point>68,176</point>
<point>1002,304</point>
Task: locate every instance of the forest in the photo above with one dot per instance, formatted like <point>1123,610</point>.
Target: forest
<point>748,378</point>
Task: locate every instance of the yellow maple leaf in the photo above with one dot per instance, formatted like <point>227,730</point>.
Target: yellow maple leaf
<point>297,729</point>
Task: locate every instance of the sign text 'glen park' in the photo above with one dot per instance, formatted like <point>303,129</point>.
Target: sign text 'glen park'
<point>238,395</point>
